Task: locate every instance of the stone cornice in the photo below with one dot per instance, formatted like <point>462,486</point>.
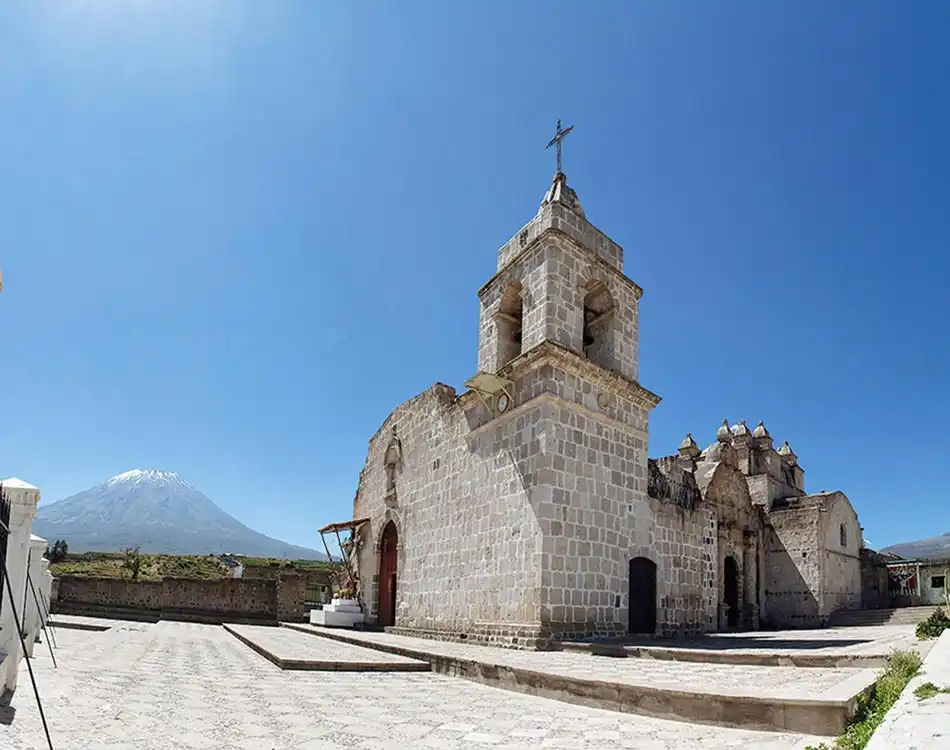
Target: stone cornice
<point>563,403</point>
<point>537,245</point>
<point>548,351</point>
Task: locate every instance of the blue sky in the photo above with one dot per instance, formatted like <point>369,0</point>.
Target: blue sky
<point>235,235</point>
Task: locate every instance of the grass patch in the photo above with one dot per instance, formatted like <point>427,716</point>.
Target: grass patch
<point>929,690</point>
<point>901,667</point>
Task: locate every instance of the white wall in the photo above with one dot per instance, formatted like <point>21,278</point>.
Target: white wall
<point>23,499</point>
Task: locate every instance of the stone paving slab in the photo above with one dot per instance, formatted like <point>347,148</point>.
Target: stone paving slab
<point>168,686</point>
<point>289,649</point>
<point>787,698</point>
<point>920,724</point>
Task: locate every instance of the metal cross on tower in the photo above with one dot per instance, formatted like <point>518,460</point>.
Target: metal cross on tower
<point>556,141</point>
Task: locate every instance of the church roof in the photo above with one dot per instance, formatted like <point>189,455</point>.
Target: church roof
<point>561,192</point>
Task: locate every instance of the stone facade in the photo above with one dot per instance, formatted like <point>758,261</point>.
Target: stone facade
<point>796,557</point>
<point>525,510</point>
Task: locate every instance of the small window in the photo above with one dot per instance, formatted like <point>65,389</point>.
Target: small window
<point>843,533</point>
<point>937,582</point>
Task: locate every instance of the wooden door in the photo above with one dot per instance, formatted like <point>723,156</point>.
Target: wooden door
<point>642,596</point>
<point>388,564</point>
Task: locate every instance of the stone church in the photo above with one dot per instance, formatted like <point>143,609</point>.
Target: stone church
<point>525,510</point>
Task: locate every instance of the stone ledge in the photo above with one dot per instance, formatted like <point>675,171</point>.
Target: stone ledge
<point>827,715</point>
<point>708,656</point>
<point>526,637</point>
<point>327,665</point>
<point>72,625</point>
<point>152,615</point>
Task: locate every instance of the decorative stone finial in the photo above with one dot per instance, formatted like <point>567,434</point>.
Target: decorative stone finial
<point>787,453</point>
<point>724,434</point>
<point>741,429</point>
<point>688,447</point>
<point>561,192</point>
<point>760,431</point>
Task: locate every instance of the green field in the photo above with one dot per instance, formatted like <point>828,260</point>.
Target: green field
<point>156,567</point>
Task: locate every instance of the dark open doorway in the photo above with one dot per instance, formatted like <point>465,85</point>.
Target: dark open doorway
<point>731,591</point>
<point>642,595</point>
<point>388,559</point>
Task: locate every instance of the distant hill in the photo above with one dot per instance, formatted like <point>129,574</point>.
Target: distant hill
<point>935,548</point>
<point>158,512</point>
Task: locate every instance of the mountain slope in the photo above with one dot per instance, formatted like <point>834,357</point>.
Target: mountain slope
<point>158,512</point>
<point>934,548</point>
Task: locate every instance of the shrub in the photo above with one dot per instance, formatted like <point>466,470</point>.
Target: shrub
<point>933,626</point>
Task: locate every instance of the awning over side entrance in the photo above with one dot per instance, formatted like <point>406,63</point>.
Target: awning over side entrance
<point>343,526</point>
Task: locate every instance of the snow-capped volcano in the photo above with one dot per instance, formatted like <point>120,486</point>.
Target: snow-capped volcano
<point>156,511</point>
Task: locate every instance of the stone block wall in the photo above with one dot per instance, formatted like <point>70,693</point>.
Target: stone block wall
<point>521,526</point>
<point>468,540</point>
<point>554,276</point>
<point>686,548</point>
<point>111,592</point>
<point>578,228</point>
<point>238,597</point>
<point>841,574</point>
<point>291,592</point>
<point>794,567</point>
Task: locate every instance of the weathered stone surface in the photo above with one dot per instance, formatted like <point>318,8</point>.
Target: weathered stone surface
<point>176,685</point>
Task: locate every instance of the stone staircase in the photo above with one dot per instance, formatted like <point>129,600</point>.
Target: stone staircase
<point>847,618</point>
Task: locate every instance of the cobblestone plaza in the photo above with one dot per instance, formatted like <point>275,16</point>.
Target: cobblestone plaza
<point>176,685</point>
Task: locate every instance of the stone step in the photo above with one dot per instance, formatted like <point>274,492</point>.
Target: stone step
<point>105,611</point>
<point>289,649</point>
<point>899,616</point>
<point>769,698</point>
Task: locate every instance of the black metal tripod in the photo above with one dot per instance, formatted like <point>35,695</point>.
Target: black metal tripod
<point>18,623</point>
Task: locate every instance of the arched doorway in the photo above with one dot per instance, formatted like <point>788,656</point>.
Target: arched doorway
<point>388,559</point>
<point>642,608</point>
<point>731,591</point>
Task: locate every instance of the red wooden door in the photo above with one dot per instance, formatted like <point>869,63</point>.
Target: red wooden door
<point>387,576</point>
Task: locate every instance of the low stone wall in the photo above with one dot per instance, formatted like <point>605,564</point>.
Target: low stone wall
<point>110,592</point>
<point>224,600</point>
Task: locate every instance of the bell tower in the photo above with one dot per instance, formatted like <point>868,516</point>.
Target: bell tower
<point>561,280</point>
<point>556,410</point>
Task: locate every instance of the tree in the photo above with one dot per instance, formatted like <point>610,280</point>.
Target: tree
<point>133,562</point>
<point>58,552</point>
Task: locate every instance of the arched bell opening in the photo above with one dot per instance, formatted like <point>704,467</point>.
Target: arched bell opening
<point>510,323</point>
<point>598,322</point>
